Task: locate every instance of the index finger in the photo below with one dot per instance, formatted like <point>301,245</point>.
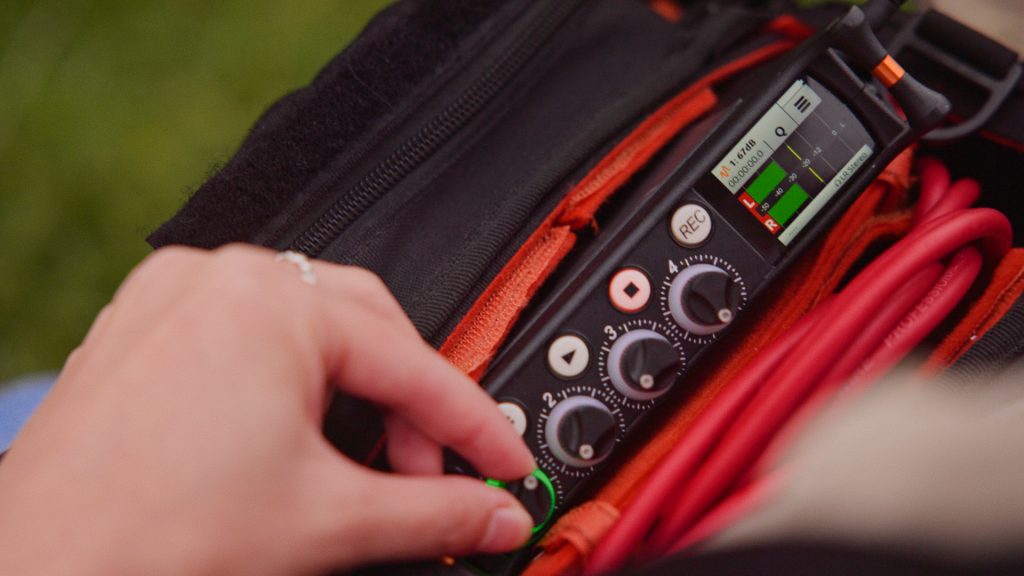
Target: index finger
<point>386,362</point>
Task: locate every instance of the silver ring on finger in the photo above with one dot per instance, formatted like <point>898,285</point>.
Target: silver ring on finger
<point>301,261</point>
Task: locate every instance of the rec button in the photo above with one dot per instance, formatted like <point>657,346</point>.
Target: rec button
<point>690,225</point>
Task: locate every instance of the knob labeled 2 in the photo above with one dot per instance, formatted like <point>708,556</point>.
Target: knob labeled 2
<point>703,299</point>
<point>643,364</point>
<point>580,431</point>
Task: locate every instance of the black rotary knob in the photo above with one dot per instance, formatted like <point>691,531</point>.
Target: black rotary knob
<point>580,431</point>
<point>703,299</point>
<point>711,298</point>
<point>643,364</point>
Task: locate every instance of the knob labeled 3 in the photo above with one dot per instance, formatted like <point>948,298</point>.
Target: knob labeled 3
<point>643,364</point>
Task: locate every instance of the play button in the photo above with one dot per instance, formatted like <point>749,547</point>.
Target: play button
<point>568,356</point>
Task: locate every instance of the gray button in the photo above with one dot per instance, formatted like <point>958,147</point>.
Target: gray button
<point>516,416</point>
<point>691,225</point>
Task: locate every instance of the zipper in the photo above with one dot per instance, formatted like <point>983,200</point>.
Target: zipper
<point>434,135</point>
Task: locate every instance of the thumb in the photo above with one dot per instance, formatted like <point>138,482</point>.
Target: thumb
<point>395,517</point>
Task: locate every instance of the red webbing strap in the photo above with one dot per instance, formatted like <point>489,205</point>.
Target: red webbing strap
<point>477,338</point>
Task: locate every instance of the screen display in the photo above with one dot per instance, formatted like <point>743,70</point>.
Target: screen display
<point>795,159</point>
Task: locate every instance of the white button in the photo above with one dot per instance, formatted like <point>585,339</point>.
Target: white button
<point>691,225</point>
<point>629,290</point>
<point>516,416</point>
<point>568,356</point>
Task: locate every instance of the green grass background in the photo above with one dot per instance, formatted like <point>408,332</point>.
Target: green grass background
<point>111,112</point>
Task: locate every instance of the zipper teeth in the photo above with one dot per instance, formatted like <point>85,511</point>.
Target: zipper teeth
<point>416,150</point>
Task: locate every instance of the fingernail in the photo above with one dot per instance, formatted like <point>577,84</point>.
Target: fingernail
<point>508,529</point>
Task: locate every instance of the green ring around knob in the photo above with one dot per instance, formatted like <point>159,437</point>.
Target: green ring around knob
<point>546,483</point>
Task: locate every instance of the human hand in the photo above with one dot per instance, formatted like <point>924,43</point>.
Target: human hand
<point>183,436</point>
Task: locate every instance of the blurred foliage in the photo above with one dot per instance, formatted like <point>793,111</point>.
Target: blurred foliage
<point>111,112</point>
